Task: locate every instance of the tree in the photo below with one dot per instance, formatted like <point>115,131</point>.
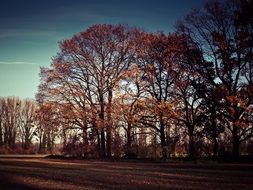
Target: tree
<point>221,37</point>
<point>12,120</point>
<point>1,120</point>
<point>126,106</point>
<point>89,66</point>
<point>16,122</point>
<point>213,121</point>
<point>27,128</point>
<point>48,126</point>
<point>155,55</point>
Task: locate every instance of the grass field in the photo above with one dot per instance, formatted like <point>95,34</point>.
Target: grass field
<point>38,173</point>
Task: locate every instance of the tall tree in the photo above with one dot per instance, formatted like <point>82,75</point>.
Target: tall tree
<point>90,65</point>
<point>155,54</point>
<point>12,117</point>
<point>27,128</point>
<point>126,109</point>
<point>225,41</point>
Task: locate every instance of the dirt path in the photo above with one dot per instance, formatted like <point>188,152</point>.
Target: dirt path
<point>33,173</point>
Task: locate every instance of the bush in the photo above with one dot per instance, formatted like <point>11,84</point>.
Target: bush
<point>6,150</point>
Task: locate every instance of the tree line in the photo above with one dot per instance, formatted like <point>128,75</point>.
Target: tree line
<point>21,128</point>
<point>16,124</point>
<point>115,90</point>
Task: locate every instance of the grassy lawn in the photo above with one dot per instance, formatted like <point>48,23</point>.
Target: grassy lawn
<point>40,173</point>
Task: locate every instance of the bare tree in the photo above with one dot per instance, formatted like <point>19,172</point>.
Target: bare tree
<point>27,128</point>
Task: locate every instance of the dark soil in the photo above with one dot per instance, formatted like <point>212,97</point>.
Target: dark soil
<point>35,173</point>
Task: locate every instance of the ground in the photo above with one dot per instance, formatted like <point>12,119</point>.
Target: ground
<point>40,173</point>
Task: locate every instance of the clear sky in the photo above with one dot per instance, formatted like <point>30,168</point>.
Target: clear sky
<point>31,29</point>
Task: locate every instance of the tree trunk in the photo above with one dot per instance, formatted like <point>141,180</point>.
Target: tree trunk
<point>163,142</point>
<point>40,143</point>
<point>214,138</point>
<point>64,136</point>
<point>192,154</point>
<point>9,137</point>
<point>27,140</point>
<point>108,142</point>
<point>85,142</point>
<point>85,135</point>
<point>128,152</point>
<point>98,137</point>
<point>98,143</point>
<point>43,142</point>
<point>48,143</point>
<point>109,125</point>
<point>215,147</point>
<point>103,152</point>
<point>5,141</point>
<point>1,134</point>
<point>235,142</point>
<point>162,137</point>
<point>13,140</point>
<point>102,119</point>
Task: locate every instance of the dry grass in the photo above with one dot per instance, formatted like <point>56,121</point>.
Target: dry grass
<point>36,173</point>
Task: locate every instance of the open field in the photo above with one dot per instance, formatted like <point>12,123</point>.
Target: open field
<point>23,155</point>
<point>38,173</point>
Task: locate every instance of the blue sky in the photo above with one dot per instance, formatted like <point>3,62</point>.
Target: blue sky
<point>31,29</point>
